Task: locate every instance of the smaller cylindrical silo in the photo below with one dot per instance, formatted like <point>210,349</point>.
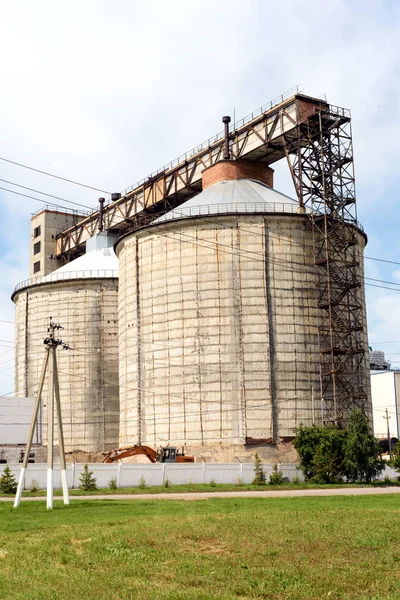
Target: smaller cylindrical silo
<point>82,296</point>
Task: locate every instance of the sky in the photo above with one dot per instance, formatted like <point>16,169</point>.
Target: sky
<point>106,93</point>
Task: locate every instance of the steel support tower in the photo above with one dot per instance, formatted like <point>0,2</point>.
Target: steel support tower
<point>320,154</point>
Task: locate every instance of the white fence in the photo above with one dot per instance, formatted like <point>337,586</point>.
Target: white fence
<point>129,475</point>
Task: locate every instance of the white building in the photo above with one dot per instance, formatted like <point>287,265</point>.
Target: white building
<point>385,389</point>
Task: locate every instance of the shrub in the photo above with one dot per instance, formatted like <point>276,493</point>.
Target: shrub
<point>34,485</point>
<point>112,484</point>
<point>166,483</point>
<point>296,480</point>
<point>212,483</point>
<point>396,457</point>
<point>362,460</point>
<point>259,475</point>
<point>8,484</point>
<point>88,481</point>
<point>239,481</point>
<point>142,482</point>
<point>328,454</point>
<point>276,477</point>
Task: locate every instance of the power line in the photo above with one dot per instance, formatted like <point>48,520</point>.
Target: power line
<point>45,194</point>
<point>39,199</point>
<point>55,176</point>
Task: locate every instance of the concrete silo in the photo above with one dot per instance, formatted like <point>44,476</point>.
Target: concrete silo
<point>83,297</point>
<point>219,320</point>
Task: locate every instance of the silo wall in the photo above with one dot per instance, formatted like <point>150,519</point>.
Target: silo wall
<point>88,374</point>
<point>218,332</point>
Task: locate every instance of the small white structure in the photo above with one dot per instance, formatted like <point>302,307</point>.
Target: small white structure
<point>15,418</point>
<point>385,388</point>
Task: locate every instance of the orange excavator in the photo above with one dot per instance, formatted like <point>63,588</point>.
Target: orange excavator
<point>166,454</point>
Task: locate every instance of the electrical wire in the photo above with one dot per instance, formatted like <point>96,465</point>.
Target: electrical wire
<point>45,194</point>
<point>54,176</point>
<point>39,199</point>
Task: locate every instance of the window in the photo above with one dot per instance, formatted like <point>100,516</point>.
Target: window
<point>36,248</point>
<point>36,266</point>
<point>37,231</point>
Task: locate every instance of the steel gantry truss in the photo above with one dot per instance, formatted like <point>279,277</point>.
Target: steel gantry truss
<point>320,154</point>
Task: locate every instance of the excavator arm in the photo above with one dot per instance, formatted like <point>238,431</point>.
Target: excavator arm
<point>120,453</point>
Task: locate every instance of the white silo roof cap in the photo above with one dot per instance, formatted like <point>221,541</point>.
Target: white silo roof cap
<point>95,264</point>
<point>233,196</point>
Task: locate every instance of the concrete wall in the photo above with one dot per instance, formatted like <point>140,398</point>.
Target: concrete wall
<point>87,309</point>
<point>385,388</point>
<point>205,309</point>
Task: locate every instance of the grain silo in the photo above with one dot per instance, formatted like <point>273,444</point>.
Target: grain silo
<point>83,297</point>
<point>219,319</point>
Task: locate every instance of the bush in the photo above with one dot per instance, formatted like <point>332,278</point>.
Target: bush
<point>142,482</point>
<point>321,453</point>
<point>112,484</point>
<point>276,477</point>
<point>396,457</point>
<point>166,482</point>
<point>8,484</point>
<point>329,454</point>
<point>362,460</point>
<point>34,485</point>
<point>88,481</point>
<point>212,483</point>
<point>259,475</point>
<point>296,480</point>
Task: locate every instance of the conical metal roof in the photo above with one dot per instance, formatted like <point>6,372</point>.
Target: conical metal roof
<point>233,196</point>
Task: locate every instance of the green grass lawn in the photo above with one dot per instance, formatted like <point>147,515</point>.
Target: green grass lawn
<point>198,487</point>
<point>278,549</point>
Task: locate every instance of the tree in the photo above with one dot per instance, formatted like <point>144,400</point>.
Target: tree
<point>87,480</point>
<point>8,484</point>
<point>259,475</point>
<point>276,477</point>
<point>396,457</point>
<point>362,460</point>
<point>320,452</point>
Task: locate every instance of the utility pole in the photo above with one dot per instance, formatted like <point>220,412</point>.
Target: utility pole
<point>388,433</point>
<point>49,363</point>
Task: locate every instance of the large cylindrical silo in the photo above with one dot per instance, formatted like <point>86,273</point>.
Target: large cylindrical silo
<point>82,296</point>
<point>219,319</point>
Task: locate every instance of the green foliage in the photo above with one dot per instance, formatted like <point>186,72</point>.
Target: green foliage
<point>88,481</point>
<point>296,480</point>
<point>8,484</point>
<point>276,477</point>
<point>212,483</point>
<point>112,484</point>
<point>362,461</point>
<point>166,483</point>
<point>259,475</point>
<point>329,454</point>
<point>396,457</point>
<point>34,485</point>
<point>142,482</point>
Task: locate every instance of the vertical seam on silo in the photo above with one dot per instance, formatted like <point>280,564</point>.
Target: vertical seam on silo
<point>238,307</point>
<point>167,324</point>
<point>271,335</point>
<point>26,346</point>
<point>139,346</point>
<point>219,330</point>
<point>198,336</point>
<point>183,341</point>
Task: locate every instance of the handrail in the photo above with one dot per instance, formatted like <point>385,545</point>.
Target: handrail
<point>66,276</point>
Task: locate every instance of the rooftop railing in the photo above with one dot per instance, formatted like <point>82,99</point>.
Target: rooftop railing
<point>66,276</point>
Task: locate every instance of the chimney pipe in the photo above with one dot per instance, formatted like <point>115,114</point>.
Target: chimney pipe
<point>101,213</point>
<point>226,121</point>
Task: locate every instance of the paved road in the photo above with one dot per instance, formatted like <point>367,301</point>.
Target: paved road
<point>367,491</point>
